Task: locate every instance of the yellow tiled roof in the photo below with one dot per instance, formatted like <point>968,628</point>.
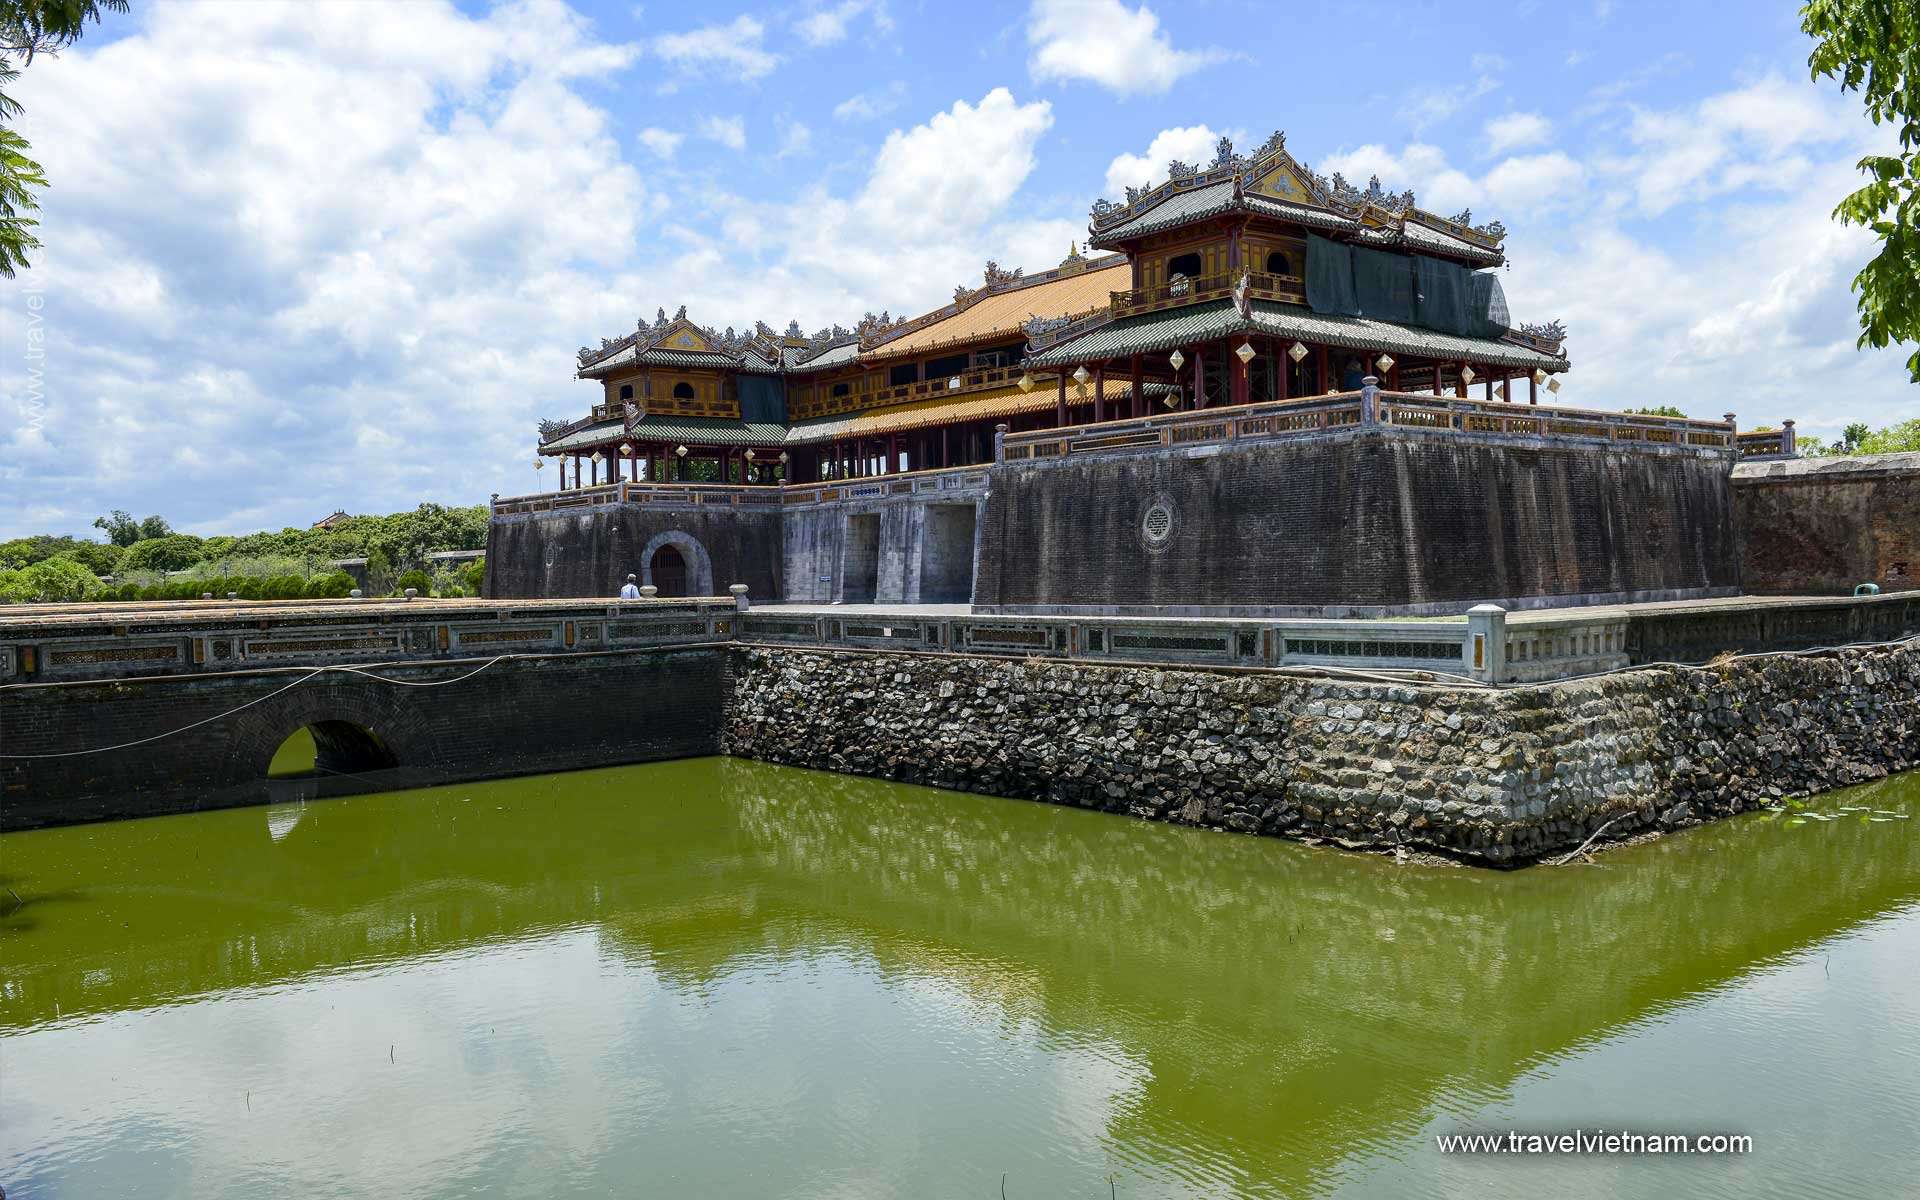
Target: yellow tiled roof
<point>1007,312</point>
<point>999,402</point>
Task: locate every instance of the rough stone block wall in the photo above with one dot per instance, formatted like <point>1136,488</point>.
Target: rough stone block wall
<point>1494,775</point>
<point>517,717</point>
<point>1822,525</point>
<point>1376,518</point>
<point>590,551</point>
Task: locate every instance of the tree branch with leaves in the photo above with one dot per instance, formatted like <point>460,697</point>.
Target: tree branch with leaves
<point>1873,48</point>
<point>28,29</point>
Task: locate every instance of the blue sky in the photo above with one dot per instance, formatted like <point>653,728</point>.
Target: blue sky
<point>339,255</point>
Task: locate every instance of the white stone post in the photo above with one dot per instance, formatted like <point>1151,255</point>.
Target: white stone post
<point>1485,652</point>
<point>999,443</point>
<point>1369,399</point>
<point>739,591</point>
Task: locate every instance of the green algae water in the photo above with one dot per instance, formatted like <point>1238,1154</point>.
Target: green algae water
<point>719,978</point>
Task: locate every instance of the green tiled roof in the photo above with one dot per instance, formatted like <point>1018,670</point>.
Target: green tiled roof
<point>1177,208</point>
<point>702,431</point>
<point>1207,322</point>
<point>660,356</point>
<point>1419,237</point>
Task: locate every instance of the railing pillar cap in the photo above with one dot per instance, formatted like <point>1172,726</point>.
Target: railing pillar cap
<point>1486,610</point>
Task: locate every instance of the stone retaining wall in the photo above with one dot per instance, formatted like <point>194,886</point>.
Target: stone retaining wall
<point>1497,776</point>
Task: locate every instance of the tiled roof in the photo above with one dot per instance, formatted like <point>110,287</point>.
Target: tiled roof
<point>832,356</point>
<point>1205,322</point>
<point>1177,208</point>
<point>996,403</point>
<point>1005,313</point>
<point>704,431</point>
<point>1420,237</point>
<point>659,356</point>
<point>1304,214</point>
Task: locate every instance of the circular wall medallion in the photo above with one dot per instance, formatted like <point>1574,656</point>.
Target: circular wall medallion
<point>1156,523</point>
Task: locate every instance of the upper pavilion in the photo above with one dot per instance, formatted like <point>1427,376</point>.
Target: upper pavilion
<point>1250,280</point>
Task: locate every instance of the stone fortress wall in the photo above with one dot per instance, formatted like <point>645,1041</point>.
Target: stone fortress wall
<point>1496,776</point>
<point>1816,525</point>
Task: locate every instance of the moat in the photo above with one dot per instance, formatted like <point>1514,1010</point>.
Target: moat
<point>717,978</point>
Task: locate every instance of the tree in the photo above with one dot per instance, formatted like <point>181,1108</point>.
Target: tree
<point>123,530</point>
<point>1659,410</point>
<point>53,581</point>
<point>95,557</point>
<point>1873,47</point>
<point>175,552</point>
<point>29,28</point>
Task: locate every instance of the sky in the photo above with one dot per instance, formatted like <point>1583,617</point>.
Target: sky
<point>338,255</point>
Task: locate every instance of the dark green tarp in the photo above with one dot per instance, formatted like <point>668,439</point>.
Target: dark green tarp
<point>1330,278</point>
<point>1383,285</point>
<point>1490,306</point>
<point>763,400</point>
<point>1445,300</point>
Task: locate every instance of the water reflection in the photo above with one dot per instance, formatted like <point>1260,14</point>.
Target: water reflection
<point>734,978</point>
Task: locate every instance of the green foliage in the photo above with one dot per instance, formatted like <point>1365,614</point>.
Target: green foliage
<point>1873,47</point>
<point>416,579</point>
<point>474,576</point>
<point>94,556</point>
<point>1658,410</point>
<point>23,552</point>
<point>1857,438</point>
<point>123,530</point>
<point>175,552</point>
<point>50,581</point>
<point>29,28</point>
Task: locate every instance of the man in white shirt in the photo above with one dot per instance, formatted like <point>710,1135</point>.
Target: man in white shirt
<point>632,590</point>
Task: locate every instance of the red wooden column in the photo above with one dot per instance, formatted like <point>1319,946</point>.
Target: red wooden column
<point>1320,365</point>
<point>1533,389</point>
<point>1100,393</point>
<point>1199,378</point>
<point>893,454</point>
<point>1284,382</point>
<point>1060,405</point>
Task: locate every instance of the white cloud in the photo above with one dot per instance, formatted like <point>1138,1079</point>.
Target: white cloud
<point>1437,186</point>
<point>825,26</point>
<point>795,139</point>
<point>274,325</point>
<point>1188,143</point>
<point>730,132</point>
<point>875,103</point>
<point>662,142</point>
<point>1531,182</point>
<point>958,168</point>
<point>738,46</point>
<point>1103,41</point>
<point>1752,137</point>
<point>1516,131</point>
<point>1433,106</point>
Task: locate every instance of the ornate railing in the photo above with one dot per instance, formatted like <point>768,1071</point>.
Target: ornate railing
<point>573,426</point>
<point>1054,333</point>
<point>1288,289</point>
<point>1317,414</point>
<point>1768,443</point>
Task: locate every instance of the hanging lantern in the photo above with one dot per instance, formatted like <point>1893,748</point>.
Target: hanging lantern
<point>1080,376</point>
<point>1466,374</point>
<point>680,451</point>
<point>1297,351</point>
<point>1026,382</point>
<point>1245,353</point>
<point>1539,375</point>
<point>539,464</point>
<point>783,456</point>
<point>1176,360</point>
<point>954,383</point>
<point>1384,362</point>
<point>1172,399</point>
<point>626,450</point>
<point>1553,385</point>
<point>750,456</point>
<point>598,458</point>
<point>1500,389</point>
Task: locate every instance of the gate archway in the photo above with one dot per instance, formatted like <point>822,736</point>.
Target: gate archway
<point>697,567</point>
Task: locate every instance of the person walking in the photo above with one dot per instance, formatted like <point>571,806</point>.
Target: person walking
<point>632,590</point>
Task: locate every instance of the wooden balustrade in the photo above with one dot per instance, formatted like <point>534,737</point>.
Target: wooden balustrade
<point>1288,289</point>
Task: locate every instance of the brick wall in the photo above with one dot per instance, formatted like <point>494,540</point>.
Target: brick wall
<point>1823,525</point>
